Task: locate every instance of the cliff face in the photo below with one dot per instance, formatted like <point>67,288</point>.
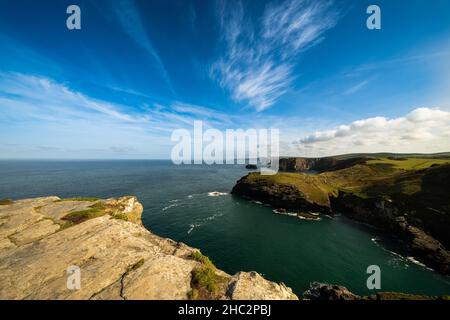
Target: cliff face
<point>387,215</point>
<point>282,196</point>
<point>118,258</point>
<point>299,164</point>
<point>329,292</point>
<point>410,204</point>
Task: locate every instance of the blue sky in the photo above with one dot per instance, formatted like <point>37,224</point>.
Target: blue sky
<point>137,70</point>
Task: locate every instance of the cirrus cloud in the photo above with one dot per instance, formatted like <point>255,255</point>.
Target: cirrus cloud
<point>259,60</point>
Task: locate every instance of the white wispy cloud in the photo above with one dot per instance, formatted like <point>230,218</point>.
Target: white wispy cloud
<point>41,115</point>
<point>356,87</point>
<point>42,96</point>
<point>258,66</point>
<point>408,60</point>
<point>421,130</point>
<point>201,112</point>
<point>39,111</point>
<point>130,19</point>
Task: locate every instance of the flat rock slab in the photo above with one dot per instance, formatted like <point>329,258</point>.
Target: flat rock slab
<point>117,259</point>
<point>34,232</point>
<point>252,286</point>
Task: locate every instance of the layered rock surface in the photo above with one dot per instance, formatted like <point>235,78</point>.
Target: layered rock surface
<point>118,258</point>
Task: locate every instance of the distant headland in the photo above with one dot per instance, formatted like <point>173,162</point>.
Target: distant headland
<point>404,195</point>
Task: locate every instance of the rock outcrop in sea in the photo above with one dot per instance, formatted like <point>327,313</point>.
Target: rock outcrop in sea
<point>117,257</point>
<point>329,292</point>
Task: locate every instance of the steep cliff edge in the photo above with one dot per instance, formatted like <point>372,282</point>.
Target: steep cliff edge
<point>118,258</point>
<point>298,164</point>
<point>408,198</point>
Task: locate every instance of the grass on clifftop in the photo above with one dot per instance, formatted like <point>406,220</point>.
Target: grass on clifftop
<point>205,282</point>
<point>312,186</point>
<point>4,202</point>
<point>94,211</point>
<point>419,186</point>
<point>120,216</point>
<point>408,163</point>
<point>90,199</point>
<point>382,176</point>
<point>197,256</point>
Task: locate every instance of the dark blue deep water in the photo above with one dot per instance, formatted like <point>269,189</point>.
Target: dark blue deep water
<point>234,233</point>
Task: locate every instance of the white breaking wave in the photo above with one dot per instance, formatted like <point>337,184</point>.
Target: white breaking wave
<point>298,215</point>
<point>285,213</point>
<point>399,256</point>
<point>210,218</point>
<point>192,227</point>
<point>216,194</point>
<point>213,216</point>
<point>173,205</point>
<point>308,219</point>
<point>417,262</point>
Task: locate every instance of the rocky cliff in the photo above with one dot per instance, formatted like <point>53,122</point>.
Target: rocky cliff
<point>329,292</point>
<point>117,257</point>
<point>391,217</point>
<point>412,204</point>
<point>298,164</point>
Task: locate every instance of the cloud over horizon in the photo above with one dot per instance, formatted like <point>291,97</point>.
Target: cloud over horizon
<point>424,130</point>
<point>59,118</point>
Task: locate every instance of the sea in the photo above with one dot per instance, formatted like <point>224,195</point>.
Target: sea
<point>193,204</point>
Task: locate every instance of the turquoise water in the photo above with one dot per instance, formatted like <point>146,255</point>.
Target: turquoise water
<point>236,234</point>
